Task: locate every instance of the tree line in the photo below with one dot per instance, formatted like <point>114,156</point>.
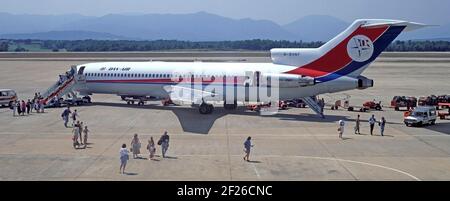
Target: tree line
<point>157,45</point>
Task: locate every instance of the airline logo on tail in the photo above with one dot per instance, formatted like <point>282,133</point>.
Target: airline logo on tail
<point>352,54</point>
<point>360,48</point>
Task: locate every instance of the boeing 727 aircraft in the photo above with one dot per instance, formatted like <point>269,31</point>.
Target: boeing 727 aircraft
<point>294,73</point>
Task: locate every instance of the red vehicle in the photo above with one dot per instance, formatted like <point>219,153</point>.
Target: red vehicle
<point>443,99</point>
<point>404,101</point>
<point>372,105</point>
<point>429,101</point>
<point>442,115</point>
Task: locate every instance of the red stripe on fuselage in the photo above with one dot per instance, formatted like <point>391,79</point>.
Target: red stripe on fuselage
<point>337,57</point>
<point>229,80</point>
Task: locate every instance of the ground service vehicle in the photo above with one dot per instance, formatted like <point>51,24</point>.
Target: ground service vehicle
<point>429,101</point>
<point>7,97</point>
<point>372,105</point>
<point>421,116</point>
<point>403,101</point>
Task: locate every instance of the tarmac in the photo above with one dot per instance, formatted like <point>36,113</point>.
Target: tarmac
<point>294,144</point>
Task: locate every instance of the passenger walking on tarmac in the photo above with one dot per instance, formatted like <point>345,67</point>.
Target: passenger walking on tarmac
<point>75,132</point>
<point>28,105</point>
<point>74,117</point>
<point>32,105</point>
<point>247,146</point>
<point>135,146</point>
<point>123,158</point>
<point>19,111</point>
<point>85,133</point>
<point>80,125</point>
<point>382,124</point>
<point>36,105</point>
<point>14,108</point>
<point>65,116</point>
<point>341,128</point>
<point>41,104</point>
<point>23,107</point>
<point>358,122</point>
<point>372,121</point>
<point>164,142</point>
<point>151,148</point>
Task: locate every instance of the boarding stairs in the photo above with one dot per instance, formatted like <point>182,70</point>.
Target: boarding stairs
<point>314,105</point>
<point>59,90</point>
<point>66,88</point>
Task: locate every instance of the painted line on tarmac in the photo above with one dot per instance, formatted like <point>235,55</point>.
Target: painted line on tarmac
<point>322,158</point>
<point>352,161</point>
<point>256,171</point>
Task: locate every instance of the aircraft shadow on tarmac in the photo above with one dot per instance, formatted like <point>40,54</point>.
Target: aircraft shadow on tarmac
<point>192,121</point>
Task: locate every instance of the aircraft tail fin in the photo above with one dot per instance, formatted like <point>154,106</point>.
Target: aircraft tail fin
<point>350,52</point>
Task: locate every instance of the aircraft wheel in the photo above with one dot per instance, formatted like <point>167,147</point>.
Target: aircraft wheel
<point>210,108</point>
<point>203,109</point>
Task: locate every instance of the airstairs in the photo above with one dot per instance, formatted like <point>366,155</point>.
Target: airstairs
<point>64,86</point>
<point>314,106</point>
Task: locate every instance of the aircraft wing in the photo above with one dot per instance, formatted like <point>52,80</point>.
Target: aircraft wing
<point>187,95</point>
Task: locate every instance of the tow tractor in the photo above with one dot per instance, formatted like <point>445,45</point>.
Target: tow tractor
<point>372,105</point>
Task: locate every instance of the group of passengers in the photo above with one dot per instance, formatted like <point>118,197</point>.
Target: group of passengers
<point>67,76</point>
<point>136,149</point>
<point>78,131</point>
<point>22,107</point>
<point>372,121</point>
<point>164,143</point>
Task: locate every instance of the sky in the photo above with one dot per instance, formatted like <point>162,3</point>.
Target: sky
<point>279,11</point>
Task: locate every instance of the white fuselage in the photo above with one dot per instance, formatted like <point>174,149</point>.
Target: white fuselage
<point>150,78</point>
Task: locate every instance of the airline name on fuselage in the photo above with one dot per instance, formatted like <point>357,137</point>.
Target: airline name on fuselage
<point>115,69</point>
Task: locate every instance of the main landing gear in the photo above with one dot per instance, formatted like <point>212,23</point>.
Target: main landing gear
<point>205,108</point>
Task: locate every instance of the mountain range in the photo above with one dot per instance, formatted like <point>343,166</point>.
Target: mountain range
<point>199,26</point>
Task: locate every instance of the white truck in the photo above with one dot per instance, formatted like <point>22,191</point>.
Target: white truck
<point>7,97</point>
<point>421,116</point>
